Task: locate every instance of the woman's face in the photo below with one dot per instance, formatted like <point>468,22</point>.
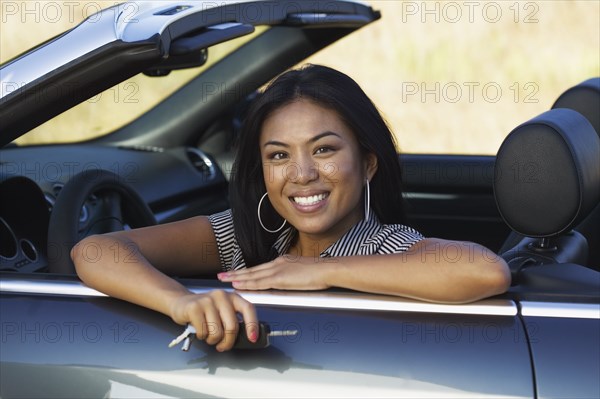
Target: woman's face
<point>314,170</point>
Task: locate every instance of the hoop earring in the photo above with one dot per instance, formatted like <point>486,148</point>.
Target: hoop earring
<point>260,220</point>
<point>367,201</point>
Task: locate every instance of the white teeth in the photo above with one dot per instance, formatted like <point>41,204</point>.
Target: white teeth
<point>313,199</point>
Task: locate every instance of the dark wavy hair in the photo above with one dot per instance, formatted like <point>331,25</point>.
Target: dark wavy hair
<point>333,90</point>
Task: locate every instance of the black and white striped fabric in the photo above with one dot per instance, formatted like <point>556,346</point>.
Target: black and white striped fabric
<point>365,238</point>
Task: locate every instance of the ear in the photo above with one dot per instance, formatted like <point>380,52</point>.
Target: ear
<point>370,164</point>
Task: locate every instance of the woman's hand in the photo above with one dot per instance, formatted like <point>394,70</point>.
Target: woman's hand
<point>213,315</point>
<point>285,272</point>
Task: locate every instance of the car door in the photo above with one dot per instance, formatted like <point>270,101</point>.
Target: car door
<point>62,339</point>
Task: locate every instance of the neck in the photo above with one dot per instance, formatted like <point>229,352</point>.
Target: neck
<point>311,245</point>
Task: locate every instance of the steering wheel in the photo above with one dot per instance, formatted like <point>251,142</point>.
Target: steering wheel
<point>92,202</point>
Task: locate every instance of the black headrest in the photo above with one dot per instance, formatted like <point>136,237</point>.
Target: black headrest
<point>547,173</point>
<point>585,99</point>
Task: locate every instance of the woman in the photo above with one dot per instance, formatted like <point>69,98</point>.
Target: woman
<point>316,202</point>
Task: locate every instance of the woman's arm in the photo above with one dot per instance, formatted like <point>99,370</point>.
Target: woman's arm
<point>133,265</point>
<point>432,270</point>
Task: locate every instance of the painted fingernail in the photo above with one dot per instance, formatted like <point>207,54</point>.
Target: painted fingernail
<point>253,336</point>
<point>222,275</point>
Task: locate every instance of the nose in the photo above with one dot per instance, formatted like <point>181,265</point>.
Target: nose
<point>303,171</point>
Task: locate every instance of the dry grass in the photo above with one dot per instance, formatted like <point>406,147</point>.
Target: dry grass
<point>436,82</point>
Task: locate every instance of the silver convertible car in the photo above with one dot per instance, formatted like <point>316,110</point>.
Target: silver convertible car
<point>536,203</point>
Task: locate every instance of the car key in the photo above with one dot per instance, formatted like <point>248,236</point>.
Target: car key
<point>241,340</point>
<point>186,336</point>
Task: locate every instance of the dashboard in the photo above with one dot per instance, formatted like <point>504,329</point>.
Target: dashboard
<point>24,217</point>
<point>176,183</point>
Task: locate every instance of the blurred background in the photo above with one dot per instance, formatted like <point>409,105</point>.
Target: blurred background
<point>448,76</point>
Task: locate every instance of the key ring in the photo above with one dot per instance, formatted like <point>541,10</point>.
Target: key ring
<point>186,336</point>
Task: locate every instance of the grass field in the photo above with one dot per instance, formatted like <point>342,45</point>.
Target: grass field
<point>448,76</point>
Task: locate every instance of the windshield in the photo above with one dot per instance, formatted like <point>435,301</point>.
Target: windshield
<point>121,104</point>
<point>27,24</point>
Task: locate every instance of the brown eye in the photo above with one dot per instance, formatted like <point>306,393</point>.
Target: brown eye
<point>276,156</point>
<point>323,150</point>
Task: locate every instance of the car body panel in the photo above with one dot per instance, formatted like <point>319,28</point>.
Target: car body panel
<point>565,340</point>
<point>348,344</point>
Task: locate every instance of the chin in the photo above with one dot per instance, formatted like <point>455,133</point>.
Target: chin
<point>312,227</point>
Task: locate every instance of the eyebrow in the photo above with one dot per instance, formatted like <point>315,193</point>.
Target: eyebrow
<point>311,140</point>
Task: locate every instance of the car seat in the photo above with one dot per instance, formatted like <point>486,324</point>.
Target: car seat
<point>546,181</point>
<point>585,99</point>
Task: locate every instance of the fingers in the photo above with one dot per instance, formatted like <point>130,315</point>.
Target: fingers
<point>281,273</point>
<point>250,272</point>
<point>256,278</point>
<point>214,316</point>
<point>229,323</point>
<point>249,315</point>
<point>203,315</point>
<point>268,275</point>
<point>252,284</point>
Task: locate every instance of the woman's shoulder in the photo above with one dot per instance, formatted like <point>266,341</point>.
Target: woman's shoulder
<point>220,219</point>
<point>394,238</point>
<point>222,224</point>
<point>398,228</point>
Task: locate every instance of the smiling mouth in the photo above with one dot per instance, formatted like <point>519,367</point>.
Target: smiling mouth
<point>310,200</point>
